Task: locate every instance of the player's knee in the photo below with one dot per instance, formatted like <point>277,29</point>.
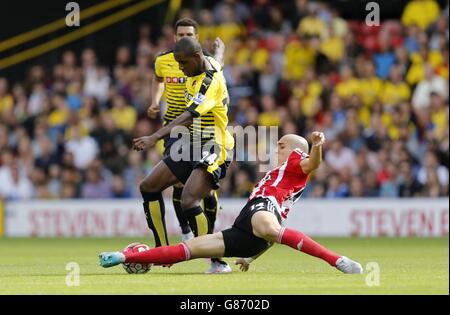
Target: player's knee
<point>269,232</point>
<point>146,186</point>
<point>143,186</point>
<point>189,200</point>
<point>178,185</point>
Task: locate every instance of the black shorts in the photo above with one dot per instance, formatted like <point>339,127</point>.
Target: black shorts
<point>212,158</point>
<point>168,142</point>
<point>239,239</point>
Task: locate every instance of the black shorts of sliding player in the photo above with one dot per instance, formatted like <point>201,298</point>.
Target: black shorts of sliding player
<point>240,240</point>
<point>244,220</point>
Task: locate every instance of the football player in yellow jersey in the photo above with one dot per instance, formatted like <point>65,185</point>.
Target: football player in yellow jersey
<point>170,81</point>
<point>213,116</point>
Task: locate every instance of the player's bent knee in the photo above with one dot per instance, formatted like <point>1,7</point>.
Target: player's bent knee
<point>266,230</point>
<point>188,200</point>
<point>143,186</point>
<point>179,185</point>
<point>146,186</point>
<point>270,233</point>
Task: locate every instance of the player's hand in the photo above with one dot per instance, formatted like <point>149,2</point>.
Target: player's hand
<point>152,111</point>
<point>144,143</point>
<point>218,44</point>
<point>318,138</point>
<point>243,264</point>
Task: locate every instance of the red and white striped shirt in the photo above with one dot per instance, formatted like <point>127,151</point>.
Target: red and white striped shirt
<point>284,184</point>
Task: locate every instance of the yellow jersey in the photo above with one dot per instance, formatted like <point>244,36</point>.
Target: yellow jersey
<point>207,99</point>
<point>167,68</point>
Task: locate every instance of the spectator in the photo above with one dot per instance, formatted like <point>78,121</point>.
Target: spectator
<point>83,147</point>
<point>340,157</point>
<point>356,188</point>
<point>431,84</point>
<point>15,184</point>
<point>395,90</point>
<point>270,115</point>
<point>431,166</point>
<point>371,188</point>
<point>421,13</point>
<point>119,189</point>
<point>97,80</point>
<point>409,186</point>
<point>95,186</point>
<point>243,185</point>
<point>384,60</point>
<point>134,173</point>
<point>6,99</point>
<point>336,189</point>
<point>312,25</point>
<point>124,115</point>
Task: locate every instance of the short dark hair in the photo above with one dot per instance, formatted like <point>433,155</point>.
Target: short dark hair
<point>187,45</point>
<point>186,22</point>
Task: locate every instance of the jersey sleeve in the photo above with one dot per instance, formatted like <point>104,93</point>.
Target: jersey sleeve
<point>296,157</point>
<point>158,71</point>
<point>204,101</point>
<point>301,155</point>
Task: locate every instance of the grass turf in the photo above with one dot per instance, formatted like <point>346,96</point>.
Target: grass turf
<point>407,266</point>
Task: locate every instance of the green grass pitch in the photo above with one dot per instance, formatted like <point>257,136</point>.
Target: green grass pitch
<point>407,266</point>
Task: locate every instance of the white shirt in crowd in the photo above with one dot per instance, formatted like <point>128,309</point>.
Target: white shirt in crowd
<point>96,84</point>
<point>9,189</point>
<point>345,158</point>
<point>84,151</point>
<point>442,174</point>
<point>422,95</point>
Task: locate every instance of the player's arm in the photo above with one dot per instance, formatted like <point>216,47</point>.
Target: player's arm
<point>157,93</point>
<point>245,262</point>
<point>157,90</point>
<point>315,155</point>
<point>219,51</point>
<point>201,104</point>
<point>146,142</point>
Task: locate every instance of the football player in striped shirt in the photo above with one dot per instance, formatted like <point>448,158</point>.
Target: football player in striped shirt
<point>204,144</point>
<point>170,81</point>
<point>260,222</point>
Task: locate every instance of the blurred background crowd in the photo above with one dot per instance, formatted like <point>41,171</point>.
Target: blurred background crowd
<point>380,94</point>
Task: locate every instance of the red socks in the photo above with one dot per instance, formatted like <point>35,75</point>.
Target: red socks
<point>160,255</point>
<point>302,242</point>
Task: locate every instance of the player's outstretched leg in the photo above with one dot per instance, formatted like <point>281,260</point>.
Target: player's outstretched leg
<point>201,247</point>
<point>186,232</point>
<point>266,226</point>
<point>163,255</point>
<point>302,242</point>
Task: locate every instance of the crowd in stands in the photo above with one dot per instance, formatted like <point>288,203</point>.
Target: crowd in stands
<point>380,94</point>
